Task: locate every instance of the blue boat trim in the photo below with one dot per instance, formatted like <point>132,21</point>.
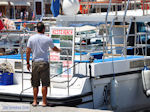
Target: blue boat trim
<point>18,56</point>
<point>110,59</point>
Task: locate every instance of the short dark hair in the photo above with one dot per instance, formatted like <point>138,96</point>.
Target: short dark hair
<point>40,27</point>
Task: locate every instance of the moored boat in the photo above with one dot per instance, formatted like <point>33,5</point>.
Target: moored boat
<point>112,82</point>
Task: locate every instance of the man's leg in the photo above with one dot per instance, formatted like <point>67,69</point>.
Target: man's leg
<point>45,81</point>
<point>44,93</point>
<point>35,94</point>
<point>35,81</point>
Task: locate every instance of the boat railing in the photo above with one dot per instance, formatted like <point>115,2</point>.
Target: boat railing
<point>116,5</point>
<point>126,26</point>
<point>126,31</point>
<point>2,32</point>
<point>16,39</point>
<point>125,38</point>
<point>125,6</point>
<point>24,35</point>
<point>11,31</point>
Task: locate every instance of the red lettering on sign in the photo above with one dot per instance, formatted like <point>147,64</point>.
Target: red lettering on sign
<point>62,32</point>
<point>66,63</point>
<point>54,58</point>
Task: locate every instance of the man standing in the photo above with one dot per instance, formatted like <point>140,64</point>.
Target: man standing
<point>39,45</point>
<point>21,15</point>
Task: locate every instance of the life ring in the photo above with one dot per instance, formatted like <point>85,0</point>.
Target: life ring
<point>146,5</point>
<point>84,9</point>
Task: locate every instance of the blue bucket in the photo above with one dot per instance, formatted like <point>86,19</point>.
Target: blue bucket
<point>6,78</point>
<point>1,78</point>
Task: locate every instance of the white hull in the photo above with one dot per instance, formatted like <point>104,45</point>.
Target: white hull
<point>130,95</point>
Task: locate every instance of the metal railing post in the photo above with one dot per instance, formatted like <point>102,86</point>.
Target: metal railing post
<point>68,70</point>
<point>106,22</point>
<point>125,39</point>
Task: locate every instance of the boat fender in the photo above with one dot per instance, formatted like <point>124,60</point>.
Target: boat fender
<point>148,92</point>
<point>114,94</point>
<point>146,80</point>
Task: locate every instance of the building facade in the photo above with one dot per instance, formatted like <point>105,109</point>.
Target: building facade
<point>42,8</point>
<point>25,9</point>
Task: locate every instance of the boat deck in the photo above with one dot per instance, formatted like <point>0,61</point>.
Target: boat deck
<point>58,93</point>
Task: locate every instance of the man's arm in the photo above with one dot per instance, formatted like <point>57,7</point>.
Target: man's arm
<point>56,49</point>
<point>28,51</point>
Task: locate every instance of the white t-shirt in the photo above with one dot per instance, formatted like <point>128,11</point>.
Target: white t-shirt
<point>39,45</point>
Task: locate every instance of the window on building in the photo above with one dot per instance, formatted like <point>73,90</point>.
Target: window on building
<point>38,8</point>
<point>48,9</point>
<point>3,10</point>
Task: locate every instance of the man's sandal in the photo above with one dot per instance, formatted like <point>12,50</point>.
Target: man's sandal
<point>34,105</point>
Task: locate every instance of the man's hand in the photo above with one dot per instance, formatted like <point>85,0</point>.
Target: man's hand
<point>56,49</point>
<point>28,67</point>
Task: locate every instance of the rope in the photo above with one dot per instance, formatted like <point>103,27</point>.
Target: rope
<point>7,67</point>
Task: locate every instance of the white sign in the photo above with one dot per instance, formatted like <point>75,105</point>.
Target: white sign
<point>61,63</point>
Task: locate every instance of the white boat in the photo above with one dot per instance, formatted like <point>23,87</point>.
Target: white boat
<point>113,82</point>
